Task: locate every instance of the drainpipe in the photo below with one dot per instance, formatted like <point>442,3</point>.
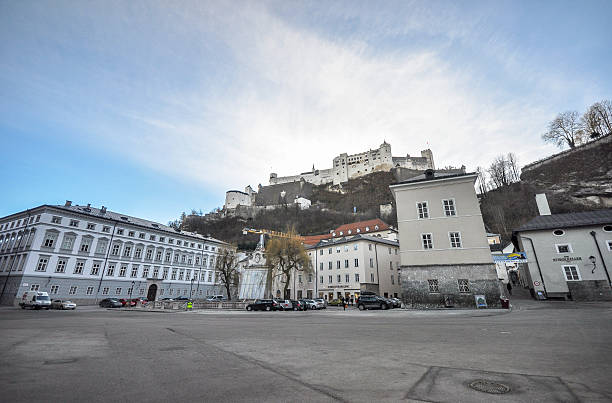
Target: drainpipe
<point>316,270</point>
<point>110,245</point>
<point>537,262</point>
<point>593,234</point>
<point>377,276</point>
<point>8,276</point>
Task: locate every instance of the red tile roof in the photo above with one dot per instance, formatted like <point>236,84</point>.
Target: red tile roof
<point>364,227</point>
<point>314,239</point>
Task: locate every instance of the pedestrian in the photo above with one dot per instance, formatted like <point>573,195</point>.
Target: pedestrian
<point>509,287</point>
<point>344,303</point>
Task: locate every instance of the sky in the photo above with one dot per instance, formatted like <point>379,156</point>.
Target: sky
<point>152,107</point>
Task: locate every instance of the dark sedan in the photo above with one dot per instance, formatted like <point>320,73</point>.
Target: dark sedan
<point>263,305</point>
<point>110,303</point>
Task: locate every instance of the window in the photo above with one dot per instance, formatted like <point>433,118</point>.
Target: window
<point>558,232</point>
<point>120,231</point>
<point>141,235</point>
<point>162,239</point>
<point>149,254</point>
<point>455,239</point>
<point>391,265</point>
<point>433,285</point>
<point>105,291</point>
<point>392,279</point>
<point>571,273</point>
<point>56,220</point>
<point>181,274</point>
<point>330,279</point>
<point>188,275</point>
<point>54,289</point>
<point>371,262</point>
<point>564,248</point>
<point>115,251</point>
<point>329,251</point>
<point>427,241</point>
<point>127,251</point>
<point>173,274</point>
<point>449,207</point>
<point>337,264</point>
<point>95,269</point>
<point>210,278</point>
<point>105,229</point>
<point>372,277</point>
<point>50,238</point>
<point>310,278</point>
<point>347,278</point>
<point>34,287</point>
<point>356,262</point>
<point>138,253</point>
<point>176,258</point>
<point>464,285</point>
<point>423,210</point>
<point>61,265</point>
<point>74,223</point>
<point>156,272</point>
<point>321,252</point>
<point>321,266</point>
<point>118,291</point>
<point>329,265</point>
<point>68,242</point>
<point>356,277</point>
<point>321,279</point>
<point>178,242</point>
<point>300,278</point>
<point>369,246</point>
<point>89,290</point>
<point>91,226</point>
<point>78,268</point>
<point>158,256</point>
<point>131,233</point>
<point>73,290</point>
<point>110,270</point>
<point>339,278</point>
<point>101,246</point>
<point>145,272</point>
<point>609,244</point>
<point>85,245</point>
<point>169,255</point>
<point>134,271</point>
<point>122,270</point>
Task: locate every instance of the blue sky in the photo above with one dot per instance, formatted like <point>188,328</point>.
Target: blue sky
<point>153,107</point>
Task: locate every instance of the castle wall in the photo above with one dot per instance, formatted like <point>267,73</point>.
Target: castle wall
<point>233,198</point>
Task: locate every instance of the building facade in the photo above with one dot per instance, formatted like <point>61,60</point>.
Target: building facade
<point>345,166</point>
<point>569,255</point>
<point>86,254</point>
<point>445,256</point>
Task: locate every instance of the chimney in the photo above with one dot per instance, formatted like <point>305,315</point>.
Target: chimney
<point>88,205</point>
<point>542,203</point>
<point>103,210</point>
<point>68,203</point>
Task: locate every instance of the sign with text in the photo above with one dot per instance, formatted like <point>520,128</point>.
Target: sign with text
<point>515,257</point>
<point>481,301</point>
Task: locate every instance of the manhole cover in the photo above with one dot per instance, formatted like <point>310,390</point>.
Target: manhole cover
<point>496,388</point>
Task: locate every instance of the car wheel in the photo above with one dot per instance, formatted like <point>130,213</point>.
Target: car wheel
<point>361,307</point>
<point>295,309</point>
<point>249,308</point>
<point>268,308</point>
<point>22,306</point>
<point>314,308</point>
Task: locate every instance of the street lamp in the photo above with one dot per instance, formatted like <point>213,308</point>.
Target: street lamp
<point>131,292</point>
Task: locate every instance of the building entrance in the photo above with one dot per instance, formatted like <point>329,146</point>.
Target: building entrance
<point>152,293</point>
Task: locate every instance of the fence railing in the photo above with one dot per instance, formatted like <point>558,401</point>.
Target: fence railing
<point>182,305</point>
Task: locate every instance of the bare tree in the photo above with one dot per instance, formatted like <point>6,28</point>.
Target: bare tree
<point>503,171</point>
<point>226,267</point>
<point>565,129</point>
<point>284,257</point>
<point>597,120</point>
<point>481,181</point>
<point>514,172</point>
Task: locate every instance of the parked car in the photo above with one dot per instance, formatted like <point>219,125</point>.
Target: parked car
<point>123,301</point>
<point>321,303</point>
<point>167,299</point>
<point>311,304</point>
<point>216,298</point>
<point>335,302</point>
<point>397,303</point>
<point>110,303</point>
<point>63,304</point>
<point>36,300</point>
<point>373,302</point>
<point>135,301</point>
<point>298,305</point>
<point>284,304</point>
<point>181,298</point>
<point>262,305</point>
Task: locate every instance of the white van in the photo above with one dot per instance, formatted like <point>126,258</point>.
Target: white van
<point>216,298</point>
<point>35,299</point>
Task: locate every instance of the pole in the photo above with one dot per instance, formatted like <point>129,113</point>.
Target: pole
<point>110,245</point>
<point>131,292</point>
<point>15,257</point>
<point>537,263</point>
<point>593,234</point>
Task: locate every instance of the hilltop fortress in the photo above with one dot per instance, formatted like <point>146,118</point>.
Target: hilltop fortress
<point>345,167</point>
<point>297,188</point>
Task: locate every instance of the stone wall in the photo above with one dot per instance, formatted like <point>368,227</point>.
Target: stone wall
<point>590,290</point>
<point>482,280</point>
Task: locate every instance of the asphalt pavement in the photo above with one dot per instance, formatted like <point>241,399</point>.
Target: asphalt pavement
<point>539,351</point>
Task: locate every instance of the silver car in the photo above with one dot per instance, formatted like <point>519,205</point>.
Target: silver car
<point>321,303</point>
<point>63,304</point>
<point>311,304</point>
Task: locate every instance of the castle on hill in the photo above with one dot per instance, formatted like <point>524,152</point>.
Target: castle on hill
<point>345,167</point>
<point>297,188</point>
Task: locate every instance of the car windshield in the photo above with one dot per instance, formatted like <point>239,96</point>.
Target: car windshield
<point>67,302</point>
<point>42,298</point>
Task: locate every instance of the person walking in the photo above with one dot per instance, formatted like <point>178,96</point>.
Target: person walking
<point>344,303</point>
<point>509,287</point>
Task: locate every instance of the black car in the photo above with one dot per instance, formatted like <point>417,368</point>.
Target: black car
<point>369,301</point>
<point>110,303</point>
<point>263,305</point>
<point>298,305</point>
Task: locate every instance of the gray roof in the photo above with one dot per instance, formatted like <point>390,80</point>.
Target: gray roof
<point>140,222</point>
<point>438,174</point>
<point>568,220</point>
<point>331,242</point>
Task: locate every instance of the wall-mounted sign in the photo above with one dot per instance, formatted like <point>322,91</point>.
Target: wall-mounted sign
<point>567,259</point>
<point>481,301</point>
<point>536,283</point>
<point>515,257</point>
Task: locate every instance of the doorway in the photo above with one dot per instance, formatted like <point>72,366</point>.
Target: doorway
<point>152,293</point>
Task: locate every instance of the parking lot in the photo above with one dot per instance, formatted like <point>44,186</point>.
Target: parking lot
<point>540,351</point>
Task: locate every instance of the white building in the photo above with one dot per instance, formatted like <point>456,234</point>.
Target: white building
<point>345,167</point>
<point>86,254</point>
<point>444,250</point>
